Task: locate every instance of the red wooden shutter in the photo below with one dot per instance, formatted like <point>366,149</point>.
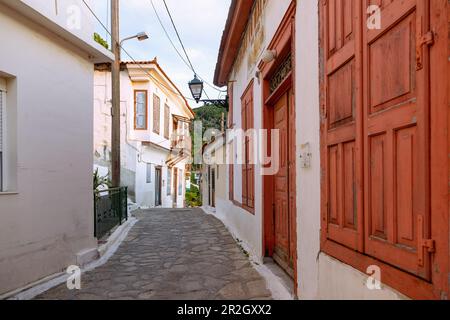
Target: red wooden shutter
<point>396,136</point>
<point>156,114</point>
<point>341,141</point>
<point>244,164</point>
<point>248,168</point>
<point>375,131</point>
<point>250,152</point>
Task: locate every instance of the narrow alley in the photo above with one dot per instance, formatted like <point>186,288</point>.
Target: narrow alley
<point>170,255</point>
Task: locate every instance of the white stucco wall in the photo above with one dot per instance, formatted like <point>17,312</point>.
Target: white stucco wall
<point>246,226</point>
<point>46,219</point>
<point>308,131</point>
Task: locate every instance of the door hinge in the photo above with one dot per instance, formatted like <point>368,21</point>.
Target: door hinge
<point>426,40</point>
<point>429,245</point>
<point>424,246</point>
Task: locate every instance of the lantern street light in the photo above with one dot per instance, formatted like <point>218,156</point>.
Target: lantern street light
<point>196,87</point>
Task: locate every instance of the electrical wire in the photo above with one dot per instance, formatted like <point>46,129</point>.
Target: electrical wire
<point>178,36</point>
<point>131,57</point>
<point>188,62</point>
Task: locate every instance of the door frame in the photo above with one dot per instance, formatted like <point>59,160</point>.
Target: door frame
<point>284,44</point>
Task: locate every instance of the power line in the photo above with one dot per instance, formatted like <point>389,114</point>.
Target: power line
<point>129,55</point>
<point>168,37</point>
<point>178,36</point>
<point>173,44</point>
<point>182,45</point>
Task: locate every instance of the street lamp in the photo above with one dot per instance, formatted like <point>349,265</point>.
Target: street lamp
<point>196,87</point>
<point>141,36</point>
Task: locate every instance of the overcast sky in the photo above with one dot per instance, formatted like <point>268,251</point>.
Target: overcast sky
<point>200,23</point>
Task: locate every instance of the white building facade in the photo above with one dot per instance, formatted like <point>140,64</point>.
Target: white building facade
<point>46,128</point>
<point>155,119</point>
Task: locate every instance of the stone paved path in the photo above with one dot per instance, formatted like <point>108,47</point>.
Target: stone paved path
<point>172,254</point>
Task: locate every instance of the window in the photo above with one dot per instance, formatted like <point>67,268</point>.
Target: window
<point>169,181</point>
<point>248,167</point>
<point>156,114</point>
<point>149,173</point>
<point>1,139</point>
<point>166,121</point>
<point>140,110</point>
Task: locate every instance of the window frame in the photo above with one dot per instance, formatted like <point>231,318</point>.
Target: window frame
<point>135,110</point>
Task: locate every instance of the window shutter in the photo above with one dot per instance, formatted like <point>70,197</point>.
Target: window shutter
<point>156,114</point>
<point>375,164</point>
<point>166,121</point>
<point>250,153</point>
<point>248,171</point>
<point>244,164</point>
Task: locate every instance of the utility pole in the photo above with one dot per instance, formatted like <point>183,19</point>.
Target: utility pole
<point>115,74</point>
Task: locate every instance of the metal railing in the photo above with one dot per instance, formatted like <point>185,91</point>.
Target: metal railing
<point>110,210</point>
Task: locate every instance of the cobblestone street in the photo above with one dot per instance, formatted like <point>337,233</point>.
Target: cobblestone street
<point>172,254</point>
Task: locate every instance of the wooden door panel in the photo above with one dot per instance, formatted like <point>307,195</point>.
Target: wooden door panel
<point>396,129</point>
<point>281,187</point>
<point>392,51</point>
<point>340,140</point>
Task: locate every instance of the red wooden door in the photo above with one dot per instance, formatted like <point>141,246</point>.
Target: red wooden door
<point>396,136</point>
<point>283,254</point>
<point>341,125</point>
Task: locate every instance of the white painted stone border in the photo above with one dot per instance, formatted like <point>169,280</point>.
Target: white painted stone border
<point>106,251</point>
<point>274,283</point>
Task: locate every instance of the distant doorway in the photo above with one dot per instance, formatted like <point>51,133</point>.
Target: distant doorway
<point>158,187</point>
<point>175,189</point>
<point>212,187</point>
